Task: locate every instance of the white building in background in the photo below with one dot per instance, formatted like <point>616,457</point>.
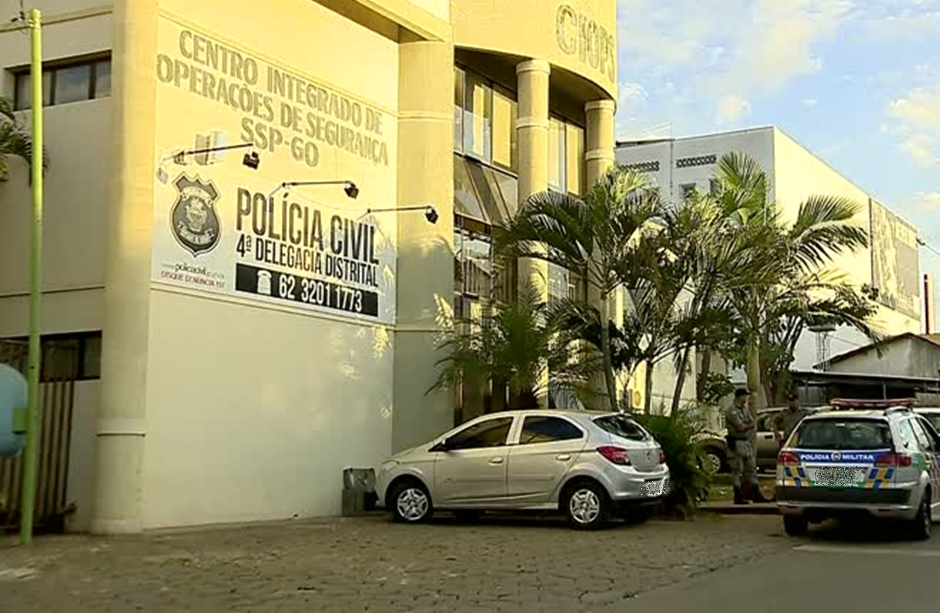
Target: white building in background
<point>891,264</point>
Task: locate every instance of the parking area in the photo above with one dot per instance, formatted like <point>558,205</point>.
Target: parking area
<point>370,565</point>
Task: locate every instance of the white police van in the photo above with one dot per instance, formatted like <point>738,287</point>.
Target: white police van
<point>872,458</point>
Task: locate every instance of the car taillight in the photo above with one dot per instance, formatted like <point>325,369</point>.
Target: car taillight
<point>894,460</point>
<point>615,455</point>
<point>788,457</point>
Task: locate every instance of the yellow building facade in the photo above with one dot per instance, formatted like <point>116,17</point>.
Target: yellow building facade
<point>247,328</point>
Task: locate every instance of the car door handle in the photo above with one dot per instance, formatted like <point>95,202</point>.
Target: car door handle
<point>495,461</point>
<point>563,457</point>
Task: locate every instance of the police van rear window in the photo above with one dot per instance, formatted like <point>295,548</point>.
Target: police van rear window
<point>935,420</point>
<point>843,434</point>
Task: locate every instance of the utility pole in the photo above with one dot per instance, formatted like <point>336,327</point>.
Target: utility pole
<point>31,453</point>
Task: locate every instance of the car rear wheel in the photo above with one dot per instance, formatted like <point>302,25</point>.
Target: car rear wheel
<point>794,525</point>
<point>712,461</point>
<point>923,523</point>
<point>410,502</point>
<point>586,505</point>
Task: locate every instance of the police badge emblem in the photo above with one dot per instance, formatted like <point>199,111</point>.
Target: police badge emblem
<point>193,219</point>
<point>836,456</point>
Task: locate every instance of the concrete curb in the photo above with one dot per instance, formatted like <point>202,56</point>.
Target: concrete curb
<point>729,508</point>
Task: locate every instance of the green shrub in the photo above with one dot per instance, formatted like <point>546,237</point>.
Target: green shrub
<point>688,480</point>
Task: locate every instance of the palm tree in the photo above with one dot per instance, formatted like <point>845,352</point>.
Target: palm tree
<point>591,237</point>
<point>514,346</point>
<point>14,139</point>
<point>792,282</point>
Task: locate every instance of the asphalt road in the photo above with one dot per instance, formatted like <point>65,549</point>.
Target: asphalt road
<point>870,568</point>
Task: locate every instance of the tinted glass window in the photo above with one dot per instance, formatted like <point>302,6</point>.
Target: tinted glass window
<point>624,427</point>
<point>765,423</point>
<point>548,430</point>
<point>489,433</point>
<point>924,440</point>
<point>848,434</point>
<point>934,420</point>
<point>906,437</point>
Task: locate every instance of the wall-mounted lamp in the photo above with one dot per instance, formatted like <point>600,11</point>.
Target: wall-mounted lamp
<point>251,159</point>
<point>430,213</point>
<point>348,186</point>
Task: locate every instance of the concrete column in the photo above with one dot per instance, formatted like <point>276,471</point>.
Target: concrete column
<point>532,138</point>
<point>121,424</point>
<point>599,139</point>
<point>425,285</point>
<point>598,159</point>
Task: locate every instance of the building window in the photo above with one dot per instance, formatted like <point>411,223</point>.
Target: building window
<point>565,157</point>
<point>460,91</point>
<point>71,82</point>
<point>574,163</point>
<point>714,187</point>
<point>484,120</point>
<point>505,111</point>
<point>478,118</point>
<point>557,155</point>
<point>687,189</point>
<point>65,357</point>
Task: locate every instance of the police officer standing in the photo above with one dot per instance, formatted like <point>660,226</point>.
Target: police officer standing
<point>742,433</point>
<point>788,419</point>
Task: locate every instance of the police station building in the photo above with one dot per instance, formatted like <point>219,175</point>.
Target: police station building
<point>261,215</point>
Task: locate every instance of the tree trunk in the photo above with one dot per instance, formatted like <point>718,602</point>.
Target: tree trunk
<point>753,375</point>
<point>605,351</point>
<point>680,382</point>
<point>648,391</point>
<point>701,384</point>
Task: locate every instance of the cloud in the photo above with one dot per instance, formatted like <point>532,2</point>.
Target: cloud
<point>916,122</point>
<point>810,102</point>
<point>726,53</point>
<point>732,108</point>
<point>927,202</point>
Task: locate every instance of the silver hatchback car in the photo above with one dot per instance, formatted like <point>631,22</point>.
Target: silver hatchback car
<point>587,465</point>
<point>874,462</point>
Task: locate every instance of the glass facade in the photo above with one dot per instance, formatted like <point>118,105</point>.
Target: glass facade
<point>486,195</point>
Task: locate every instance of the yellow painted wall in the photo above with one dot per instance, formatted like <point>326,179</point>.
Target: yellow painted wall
<point>800,174</point>
<point>264,402</point>
<point>577,35</point>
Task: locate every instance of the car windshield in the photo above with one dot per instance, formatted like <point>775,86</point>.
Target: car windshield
<point>843,434</point>
<point>621,426</point>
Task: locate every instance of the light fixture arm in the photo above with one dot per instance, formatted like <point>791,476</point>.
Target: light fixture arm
<point>421,207</point>
<point>182,154</point>
<point>286,184</point>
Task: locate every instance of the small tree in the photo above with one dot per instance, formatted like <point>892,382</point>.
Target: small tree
<point>515,345</point>
<point>15,141</point>
<point>591,237</point>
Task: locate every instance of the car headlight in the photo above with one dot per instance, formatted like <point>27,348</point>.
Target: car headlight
<point>388,465</point>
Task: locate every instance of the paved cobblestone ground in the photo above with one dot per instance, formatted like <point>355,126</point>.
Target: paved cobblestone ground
<point>368,564</point>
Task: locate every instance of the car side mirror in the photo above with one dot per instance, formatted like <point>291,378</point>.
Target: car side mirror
<point>441,446</point>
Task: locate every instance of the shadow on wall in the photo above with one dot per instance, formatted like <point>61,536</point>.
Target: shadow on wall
<point>253,413</point>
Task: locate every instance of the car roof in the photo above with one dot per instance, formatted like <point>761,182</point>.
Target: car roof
<point>573,413</point>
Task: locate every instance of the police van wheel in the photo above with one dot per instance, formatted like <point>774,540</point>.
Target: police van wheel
<point>923,523</point>
<point>795,525</point>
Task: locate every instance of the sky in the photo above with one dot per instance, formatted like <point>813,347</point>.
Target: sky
<point>855,81</point>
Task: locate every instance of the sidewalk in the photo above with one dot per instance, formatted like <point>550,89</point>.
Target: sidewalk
<point>353,565</point>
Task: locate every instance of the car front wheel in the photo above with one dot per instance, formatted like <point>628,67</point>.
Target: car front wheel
<point>410,503</point>
<point>586,505</point>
